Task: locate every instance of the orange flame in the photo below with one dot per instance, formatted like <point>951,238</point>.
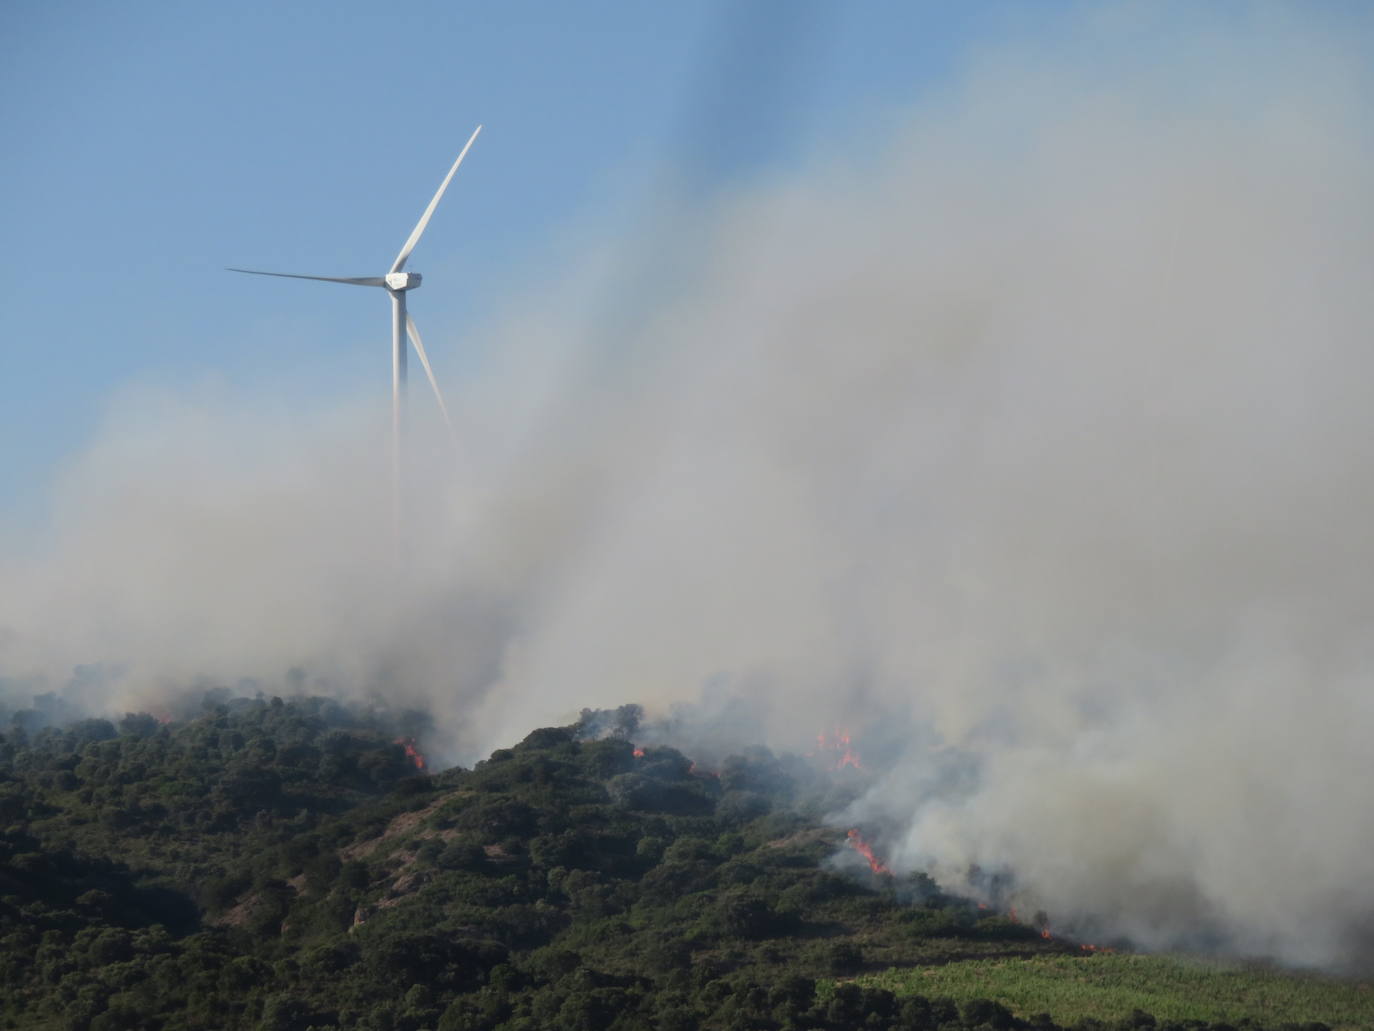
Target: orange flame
<point>639,753</point>
<point>412,753</point>
<point>866,850</point>
<point>1045,932</point>
<point>839,744</point>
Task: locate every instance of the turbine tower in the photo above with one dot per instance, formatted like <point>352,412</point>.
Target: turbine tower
<point>397,282</point>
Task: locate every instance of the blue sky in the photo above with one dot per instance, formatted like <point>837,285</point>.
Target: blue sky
<point>148,145</point>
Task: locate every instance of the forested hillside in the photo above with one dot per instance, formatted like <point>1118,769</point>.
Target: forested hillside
<point>290,864</point>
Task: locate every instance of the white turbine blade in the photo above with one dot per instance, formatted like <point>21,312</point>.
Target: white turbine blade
<point>424,219</point>
<point>424,360</point>
<point>350,280</point>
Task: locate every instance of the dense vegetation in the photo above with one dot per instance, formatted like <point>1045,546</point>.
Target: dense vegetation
<point>284,865</point>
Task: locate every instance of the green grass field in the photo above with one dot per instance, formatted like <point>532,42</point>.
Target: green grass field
<point>1170,987</point>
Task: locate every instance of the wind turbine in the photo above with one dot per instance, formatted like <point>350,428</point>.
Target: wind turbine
<point>397,283</point>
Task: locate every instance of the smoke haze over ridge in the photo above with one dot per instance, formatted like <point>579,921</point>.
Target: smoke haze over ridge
<point>1043,430</point>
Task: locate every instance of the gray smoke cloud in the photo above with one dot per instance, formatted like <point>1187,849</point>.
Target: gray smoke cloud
<point>1039,432</point>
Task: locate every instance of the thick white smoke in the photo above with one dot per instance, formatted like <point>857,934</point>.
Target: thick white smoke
<point>1044,430</point>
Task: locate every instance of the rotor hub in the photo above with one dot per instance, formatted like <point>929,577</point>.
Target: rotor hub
<point>400,281</point>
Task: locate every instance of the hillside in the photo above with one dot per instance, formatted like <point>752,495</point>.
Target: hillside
<point>289,865</point>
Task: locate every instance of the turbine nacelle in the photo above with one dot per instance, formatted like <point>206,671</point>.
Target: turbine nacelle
<point>397,282</point>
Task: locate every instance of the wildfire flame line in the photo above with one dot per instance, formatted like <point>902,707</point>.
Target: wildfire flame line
<point>1045,932</point>
<point>840,746</point>
<point>412,753</point>
<point>866,850</point>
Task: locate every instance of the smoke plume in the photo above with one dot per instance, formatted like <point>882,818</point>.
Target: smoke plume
<point>1037,429</point>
